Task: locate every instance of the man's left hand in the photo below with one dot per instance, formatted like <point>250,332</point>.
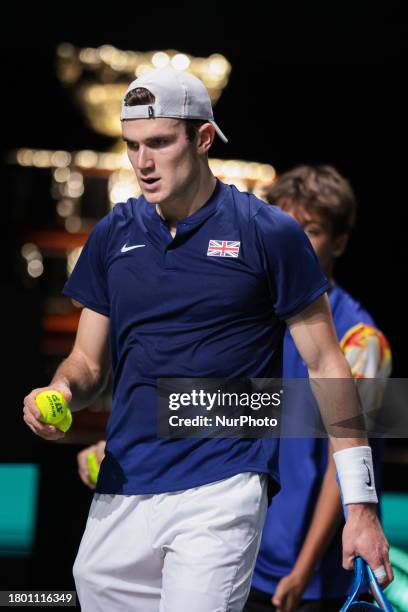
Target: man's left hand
<point>363,537</point>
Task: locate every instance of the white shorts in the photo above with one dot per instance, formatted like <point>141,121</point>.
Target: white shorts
<point>187,551</point>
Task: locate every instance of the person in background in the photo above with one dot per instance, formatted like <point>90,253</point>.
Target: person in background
<point>299,565</point>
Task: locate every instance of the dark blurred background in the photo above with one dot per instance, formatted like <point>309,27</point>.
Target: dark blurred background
<point>310,83</point>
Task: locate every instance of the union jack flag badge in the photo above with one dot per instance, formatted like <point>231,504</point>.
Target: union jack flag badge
<point>223,248</point>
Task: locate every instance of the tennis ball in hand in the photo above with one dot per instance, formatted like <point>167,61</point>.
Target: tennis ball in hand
<point>93,467</point>
<point>54,409</point>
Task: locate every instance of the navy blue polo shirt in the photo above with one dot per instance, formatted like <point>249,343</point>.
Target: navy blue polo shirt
<point>211,302</point>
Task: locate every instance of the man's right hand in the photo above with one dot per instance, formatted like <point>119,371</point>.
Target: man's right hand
<point>32,413</point>
<point>82,459</point>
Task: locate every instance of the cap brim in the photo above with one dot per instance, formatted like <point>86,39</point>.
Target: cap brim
<point>219,132</point>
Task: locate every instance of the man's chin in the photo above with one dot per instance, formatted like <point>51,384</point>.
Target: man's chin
<point>155,197</point>
<point>150,198</point>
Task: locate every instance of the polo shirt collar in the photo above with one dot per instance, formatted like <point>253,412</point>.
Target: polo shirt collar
<point>153,219</point>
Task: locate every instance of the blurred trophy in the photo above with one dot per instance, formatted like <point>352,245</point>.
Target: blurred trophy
<point>99,77</point>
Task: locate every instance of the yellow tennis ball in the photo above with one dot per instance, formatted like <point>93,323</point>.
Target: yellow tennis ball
<point>66,422</point>
<point>54,409</point>
<point>93,467</point>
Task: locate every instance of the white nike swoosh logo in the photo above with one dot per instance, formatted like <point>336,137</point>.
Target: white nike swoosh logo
<point>125,248</point>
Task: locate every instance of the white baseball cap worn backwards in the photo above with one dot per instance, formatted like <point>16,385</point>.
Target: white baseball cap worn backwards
<point>178,95</point>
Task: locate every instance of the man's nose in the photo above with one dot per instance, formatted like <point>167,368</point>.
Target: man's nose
<point>144,158</point>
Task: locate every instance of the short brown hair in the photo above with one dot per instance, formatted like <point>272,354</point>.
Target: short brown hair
<point>317,188</point>
<point>140,96</point>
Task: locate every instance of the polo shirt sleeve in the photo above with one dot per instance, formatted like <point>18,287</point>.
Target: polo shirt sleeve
<point>294,274</point>
<point>87,283</point>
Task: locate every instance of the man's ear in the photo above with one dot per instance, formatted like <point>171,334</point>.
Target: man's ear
<point>339,244</point>
<point>205,138</point>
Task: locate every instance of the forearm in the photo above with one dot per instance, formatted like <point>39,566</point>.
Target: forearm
<point>335,391</point>
<point>85,380</point>
<point>330,376</point>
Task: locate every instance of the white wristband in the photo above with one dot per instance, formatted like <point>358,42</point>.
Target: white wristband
<point>356,475</point>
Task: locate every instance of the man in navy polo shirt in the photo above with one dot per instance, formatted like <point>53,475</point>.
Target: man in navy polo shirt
<point>192,279</point>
